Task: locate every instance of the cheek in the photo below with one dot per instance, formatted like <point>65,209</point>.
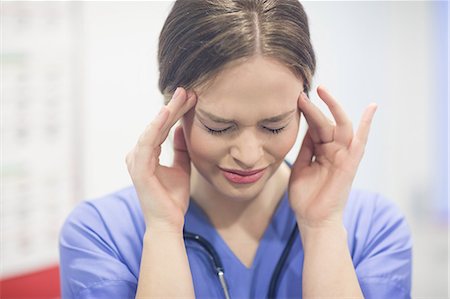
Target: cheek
<point>281,145</point>
<point>201,146</point>
<point>284,145</point>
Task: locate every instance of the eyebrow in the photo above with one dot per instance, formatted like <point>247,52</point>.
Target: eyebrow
<point>273,119</point>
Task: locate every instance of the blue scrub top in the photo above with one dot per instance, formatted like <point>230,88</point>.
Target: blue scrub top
<point>101,247</point>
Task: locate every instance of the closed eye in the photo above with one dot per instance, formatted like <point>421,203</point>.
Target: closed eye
<point>276,131</point>
<point>222,131</point>
<point>217,132</point>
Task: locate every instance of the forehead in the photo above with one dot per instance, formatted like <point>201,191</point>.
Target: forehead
<point>258,83</point>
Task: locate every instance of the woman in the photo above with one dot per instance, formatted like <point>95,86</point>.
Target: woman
<point>230,218</point>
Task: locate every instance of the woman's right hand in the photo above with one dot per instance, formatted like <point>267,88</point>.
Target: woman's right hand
<point>163,191</point>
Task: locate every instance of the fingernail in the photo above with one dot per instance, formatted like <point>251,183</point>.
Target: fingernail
<point>177,92</point>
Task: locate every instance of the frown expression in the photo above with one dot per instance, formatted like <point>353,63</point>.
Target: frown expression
<point>246,119</point>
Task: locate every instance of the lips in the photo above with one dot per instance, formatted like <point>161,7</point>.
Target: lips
<point>242,176</point>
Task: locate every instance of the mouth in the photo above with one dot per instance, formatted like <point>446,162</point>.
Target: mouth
<point>241,176</point>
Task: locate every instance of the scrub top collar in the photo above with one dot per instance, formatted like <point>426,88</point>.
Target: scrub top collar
<point>280,226</point>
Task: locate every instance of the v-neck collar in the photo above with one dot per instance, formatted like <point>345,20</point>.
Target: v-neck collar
<point>196,221</point>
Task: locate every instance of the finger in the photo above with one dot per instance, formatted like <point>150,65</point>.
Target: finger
<point>178,100</point>
<point>178,106</point>
<point>321,128</point>
<point>152,132</point>
<point>145,155</point>
<point>336,109</point>
<point>181,154</point>
<point>149,144</point>
<point>344,128</point>
<point>306,153</point>
<point>362,134</point>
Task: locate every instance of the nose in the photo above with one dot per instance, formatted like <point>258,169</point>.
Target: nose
<point>247,149</point>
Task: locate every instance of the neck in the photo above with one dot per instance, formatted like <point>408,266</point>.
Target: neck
<point>250,214</point>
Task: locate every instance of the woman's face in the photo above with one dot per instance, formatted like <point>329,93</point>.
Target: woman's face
<point>247,119</point>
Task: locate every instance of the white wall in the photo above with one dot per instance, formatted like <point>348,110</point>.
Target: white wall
<point>120,85</point>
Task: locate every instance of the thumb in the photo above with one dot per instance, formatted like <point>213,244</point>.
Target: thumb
<point>181,154</point>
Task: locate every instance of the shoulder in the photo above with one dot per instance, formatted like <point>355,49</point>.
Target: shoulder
<point>100,246</point>
<point>380,243</point>
<point>117,211</point>
<point>369,214</point>
<point>369,211</point>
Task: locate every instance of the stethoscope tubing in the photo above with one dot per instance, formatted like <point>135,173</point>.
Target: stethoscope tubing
<point>271,294</point>
<point>219,269</point>
<point>214,257</point>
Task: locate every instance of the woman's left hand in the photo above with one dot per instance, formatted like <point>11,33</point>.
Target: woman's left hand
<point>323,172</point>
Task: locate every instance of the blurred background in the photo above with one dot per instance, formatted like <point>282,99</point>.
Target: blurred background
<point>79,85</point>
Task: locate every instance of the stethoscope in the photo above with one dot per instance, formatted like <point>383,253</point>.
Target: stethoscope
<point>218,266</point>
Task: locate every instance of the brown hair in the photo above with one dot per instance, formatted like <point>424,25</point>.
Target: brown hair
<point>200,37</point>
